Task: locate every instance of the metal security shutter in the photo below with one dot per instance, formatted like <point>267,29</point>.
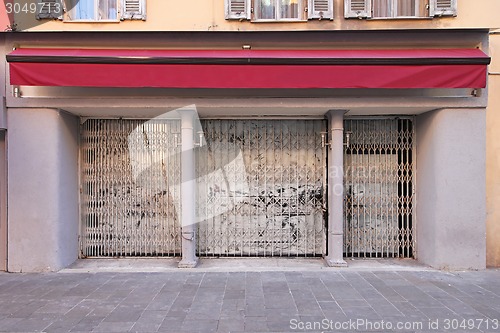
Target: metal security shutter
<point>130,169</point>
<point>379,187</point>
<point>281,211</point>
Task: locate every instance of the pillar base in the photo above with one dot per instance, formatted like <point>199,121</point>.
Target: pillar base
<point>335,263</point>
<point>188,263</point>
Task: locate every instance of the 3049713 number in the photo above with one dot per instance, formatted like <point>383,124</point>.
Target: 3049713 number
<point>32,8</point>
<point>471,324</point>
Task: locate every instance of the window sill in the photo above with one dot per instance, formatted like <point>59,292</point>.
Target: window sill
<point>404,18</point>
<point>279,21</point>
<point>91,21</point>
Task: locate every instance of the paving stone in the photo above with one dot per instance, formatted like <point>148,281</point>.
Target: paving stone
<point>365,312</point>
<point>114,327</point>
<point>256,324</point>
<point>173,324</point>
<point>8,324</point>
<point>234,294</point>
<point>29,325</point>
<point>204,326</point>
<point>231,325</point>
<point>141,326</point>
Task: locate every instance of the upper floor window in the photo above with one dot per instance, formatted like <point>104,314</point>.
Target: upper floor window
<point>93,10</point>
<point>399,8</point>
<point>278,10</point>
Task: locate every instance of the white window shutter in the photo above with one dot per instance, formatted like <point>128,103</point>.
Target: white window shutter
<point>237,9</point>
<point>443,8</point>
<point>133,10</point>
<point>49,9</point>
<point>320,9</point>
<point>357,8</point>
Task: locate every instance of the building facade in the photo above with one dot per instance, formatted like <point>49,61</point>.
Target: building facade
<point>323,128</point>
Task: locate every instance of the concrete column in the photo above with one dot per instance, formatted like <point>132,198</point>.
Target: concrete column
<point>451,194</point>
<point>188,191</point>
<point>336,190</point>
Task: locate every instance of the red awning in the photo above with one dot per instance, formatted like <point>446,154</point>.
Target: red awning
<point>424,68</point>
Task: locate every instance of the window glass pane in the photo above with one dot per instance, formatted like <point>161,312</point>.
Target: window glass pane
<point>406,8</point>
<point>382,8</point>
<point>289,9</point>
<point>399,8</point>
<point>82,9</point>
<point>266,9</point>
<point>107,9</point>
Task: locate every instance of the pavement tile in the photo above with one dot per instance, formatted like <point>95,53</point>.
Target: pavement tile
<point>280,324</point>
<point>7,324</point>
<point>30,325</point>
<point>276,300</point>
<point>141,326</point>
<point>352,302</point>
<point>114,327</point>
<point>364,312</point>
<point>231,325</point>
<point>256,324</point>
<point>234,294</point>
<point>171,324</point>
<point>201,325</point>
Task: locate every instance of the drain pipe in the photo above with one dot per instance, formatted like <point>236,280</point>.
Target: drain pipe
<point>335,257</point>
<point>188,191</point>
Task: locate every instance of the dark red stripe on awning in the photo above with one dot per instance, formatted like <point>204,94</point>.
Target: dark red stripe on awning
<point>443,68</point>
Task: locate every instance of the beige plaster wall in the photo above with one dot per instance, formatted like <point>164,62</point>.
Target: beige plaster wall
<point>493,157</point>
<point>208,15</point>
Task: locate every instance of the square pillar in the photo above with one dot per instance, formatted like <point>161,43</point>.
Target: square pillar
<point>188,190</point>
<point>336,190</point>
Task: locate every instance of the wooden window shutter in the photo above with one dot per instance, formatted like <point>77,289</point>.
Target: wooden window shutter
<point>133,10</point>
<point>49,9</point>
<point>320,9</point>
<point>237,9</point>
<point>357,8</point>
<point>443,8</point>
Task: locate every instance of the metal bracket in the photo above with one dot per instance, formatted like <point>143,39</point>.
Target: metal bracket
<point>200,138</point>
<point>178,141</point>
<point>190,235</point>
<point>324,142</point>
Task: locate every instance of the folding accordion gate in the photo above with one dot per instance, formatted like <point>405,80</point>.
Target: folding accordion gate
<point>130,169</point>
<point>261,188</point>
<point>270,185</point>
<point>379,188</point>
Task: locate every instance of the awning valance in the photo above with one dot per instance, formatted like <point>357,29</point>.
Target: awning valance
<point>421,68</point>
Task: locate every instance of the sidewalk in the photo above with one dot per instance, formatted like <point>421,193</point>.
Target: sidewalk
<point>246,295</point>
